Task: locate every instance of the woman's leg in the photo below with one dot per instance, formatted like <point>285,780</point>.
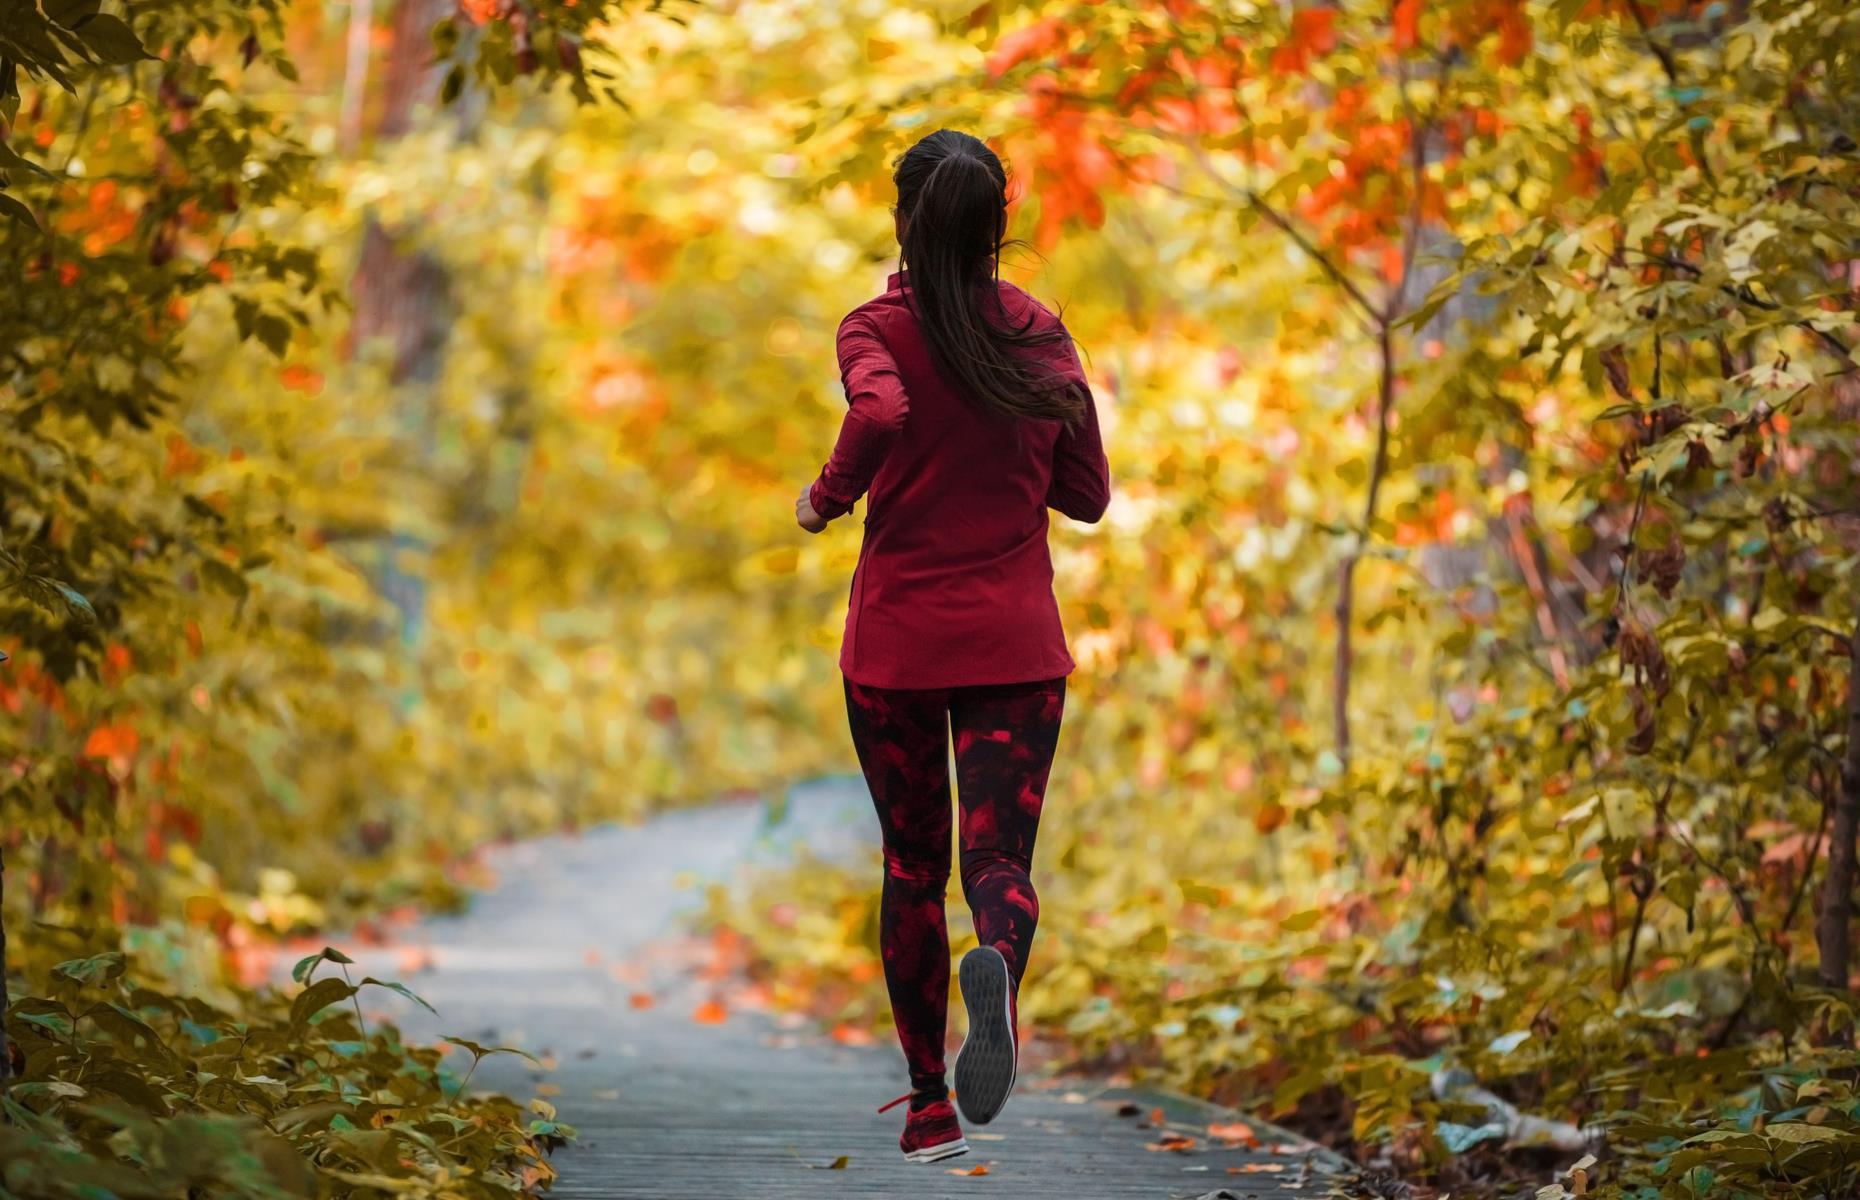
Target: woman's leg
<point>1005,737</point>
<point>902,739</point>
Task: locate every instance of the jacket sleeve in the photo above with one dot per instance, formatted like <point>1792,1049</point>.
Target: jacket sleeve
<point>876,408</point>
<point>1081,487</point>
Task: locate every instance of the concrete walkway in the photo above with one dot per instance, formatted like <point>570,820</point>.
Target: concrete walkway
<point>580,955</point>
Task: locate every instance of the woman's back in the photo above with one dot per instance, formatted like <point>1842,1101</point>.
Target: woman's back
<point>954,582</point>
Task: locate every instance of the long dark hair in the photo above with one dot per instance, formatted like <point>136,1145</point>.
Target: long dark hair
<point>952,196</point>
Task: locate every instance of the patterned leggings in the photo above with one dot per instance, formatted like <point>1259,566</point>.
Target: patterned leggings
<point>1005,735</point>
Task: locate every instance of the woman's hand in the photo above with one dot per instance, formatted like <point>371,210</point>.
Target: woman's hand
<point>804,513</point>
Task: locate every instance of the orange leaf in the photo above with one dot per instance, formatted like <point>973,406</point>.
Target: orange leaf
<point>977,1169</point>
<point>641,1000</point>
<point>710,1013</point>
<point>1175,1142</point>
<point>1312,35</point>
<point>299,378</point>
<point>1234,1131</point>
<point>1514,35</point>
<point>111,741</point>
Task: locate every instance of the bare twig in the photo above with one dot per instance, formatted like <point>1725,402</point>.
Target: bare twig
<point>1643,893</point>
<point>1837,894</point>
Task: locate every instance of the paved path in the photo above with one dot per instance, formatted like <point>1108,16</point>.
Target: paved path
<point>576,956</point>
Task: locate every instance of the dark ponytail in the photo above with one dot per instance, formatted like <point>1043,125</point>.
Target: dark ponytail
<point>952,200</point>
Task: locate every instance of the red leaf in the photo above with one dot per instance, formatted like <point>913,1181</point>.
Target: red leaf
<point>1015,48</point>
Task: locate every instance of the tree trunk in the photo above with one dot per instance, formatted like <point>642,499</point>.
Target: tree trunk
<point>355,74</point>
<point>403,295</point>
<point>398,295</point>
<point>1832,930</point>
<point>6,1053</point>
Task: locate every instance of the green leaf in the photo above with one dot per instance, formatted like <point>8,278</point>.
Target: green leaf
<point>1801,1132</point>
<point>273,332</point>
<point>306,965</point>
<point>94,971</point>
<point>57,1024</point>
<point>402,989</point>
<point>317,997</point>
<point>110,40</point>
<point>1199,893</point>
<point>478,1051</point>
<point>19,212</point>
<point>70,13</point>
<point>224,577</point>
<point>10,160</point>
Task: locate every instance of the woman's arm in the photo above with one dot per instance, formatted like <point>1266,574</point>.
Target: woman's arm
<point>1081,487</point>
<point>876,408</point>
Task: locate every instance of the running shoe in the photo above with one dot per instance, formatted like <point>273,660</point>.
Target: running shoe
<point>988,1060</point>
<point>931,1132</point>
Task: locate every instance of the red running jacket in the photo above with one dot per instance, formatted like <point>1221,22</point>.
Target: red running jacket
<point>954,584</point>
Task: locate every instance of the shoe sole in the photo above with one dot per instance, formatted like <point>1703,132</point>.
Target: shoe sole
<point>985,1066</point>
<point>931,1154</point>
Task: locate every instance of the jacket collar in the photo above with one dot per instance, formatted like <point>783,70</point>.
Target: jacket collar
<point>896,280</point>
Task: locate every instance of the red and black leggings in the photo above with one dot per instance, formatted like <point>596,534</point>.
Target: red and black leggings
<point>1005,735</point>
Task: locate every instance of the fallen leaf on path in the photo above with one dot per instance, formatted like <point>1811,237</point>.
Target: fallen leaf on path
<point>1177,1142</point>
<point>548,1089</point>
<point>710,1013</point>
<point>852,1035</point>
<point>838,1164</point>
<point>1288,1148</point>
<point>1234,1131</point>
<point>641,1000</point>
<point>607,1094</point>
<point>591,956</point>
<point>977,1169</point>
<point>1255,1168</point>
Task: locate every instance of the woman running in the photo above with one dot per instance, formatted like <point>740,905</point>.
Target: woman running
<point>969,416</point>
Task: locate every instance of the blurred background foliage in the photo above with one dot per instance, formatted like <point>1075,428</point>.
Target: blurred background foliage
<point>408,401</point>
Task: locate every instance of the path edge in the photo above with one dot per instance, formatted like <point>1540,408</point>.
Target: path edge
<point>1321,1156</point>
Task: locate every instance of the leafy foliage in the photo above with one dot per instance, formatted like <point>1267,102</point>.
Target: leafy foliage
<point>1478,378</point>
<point>138,1091</point>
